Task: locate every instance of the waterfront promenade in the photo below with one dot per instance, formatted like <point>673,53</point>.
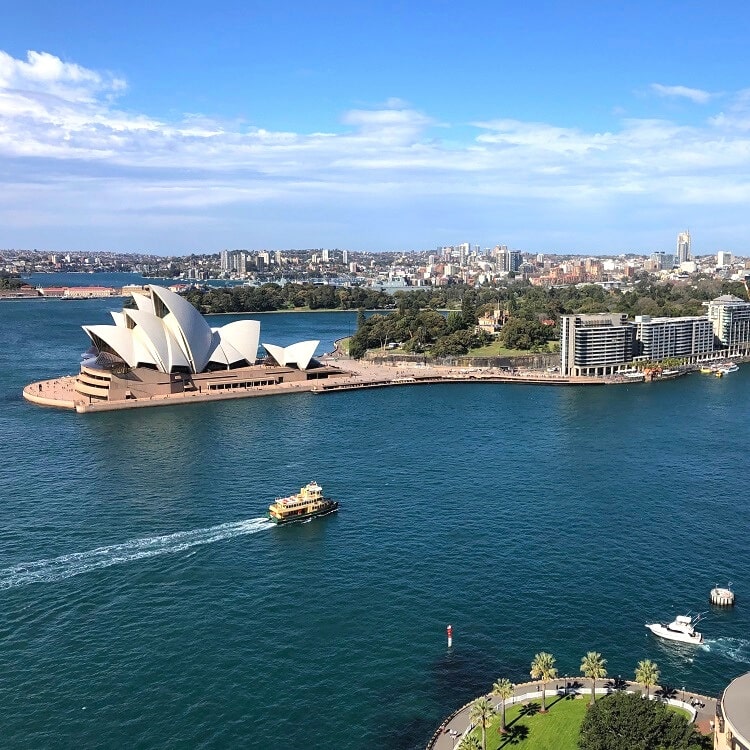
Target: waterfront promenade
<point>702,708</point>
<point>356,375</point>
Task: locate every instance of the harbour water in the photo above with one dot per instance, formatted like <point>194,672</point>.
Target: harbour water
<point>146,604</point>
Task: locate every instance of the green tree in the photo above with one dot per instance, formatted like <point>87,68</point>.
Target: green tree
<point>647,674</point>
<point>469,742</point>
<point>503,689</point>
<point>481,713</point>
<point>593,667</point>
<point>455,321</point>
<point>623,721</point>
<point>543,668</point>
<point>469,307</point>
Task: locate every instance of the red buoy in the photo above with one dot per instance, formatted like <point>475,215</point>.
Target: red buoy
<point>449,630</point>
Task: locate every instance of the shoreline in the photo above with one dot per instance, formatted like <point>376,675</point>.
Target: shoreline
<point>458,723</point>
<point>356,375</point>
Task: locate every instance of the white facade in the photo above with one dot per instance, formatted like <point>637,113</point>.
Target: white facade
<point>166,333</point>
<point>730,317</point>
<point>662,338</point>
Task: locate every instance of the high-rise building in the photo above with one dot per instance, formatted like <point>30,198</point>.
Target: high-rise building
<point>661,338</point>
<point>723,258</point>
<point>344,256</point>
<point>278,258</point>
<point>730,317</point>
<point>662,261</point>
<point>508,260</point>
<point>683,247</point>
<point>598,344</point>
<point>326,256</point>
<point>224,259</point>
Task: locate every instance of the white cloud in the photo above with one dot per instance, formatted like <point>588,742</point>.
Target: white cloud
<point>45,73</point>
<point>67,152</point>
<point>695,95</point>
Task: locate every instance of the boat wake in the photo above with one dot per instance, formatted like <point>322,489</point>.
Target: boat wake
<point>76,563</point>
<point>736,649</point>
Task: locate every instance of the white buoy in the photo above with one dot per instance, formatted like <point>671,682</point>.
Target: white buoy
<point>449,631</point>
<point>722,597</point>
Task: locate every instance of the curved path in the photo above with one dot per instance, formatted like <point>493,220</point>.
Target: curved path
<point>701,707</point>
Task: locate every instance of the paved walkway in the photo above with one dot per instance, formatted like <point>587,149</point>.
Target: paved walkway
<point>453,728</point>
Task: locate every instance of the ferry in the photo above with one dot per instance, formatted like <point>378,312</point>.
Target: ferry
<point>307,503</point>
<point>681,629</point>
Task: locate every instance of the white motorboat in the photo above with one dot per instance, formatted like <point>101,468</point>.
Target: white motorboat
<point>681,629</point>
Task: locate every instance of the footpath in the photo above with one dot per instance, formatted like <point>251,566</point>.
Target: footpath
<point>702,708</point>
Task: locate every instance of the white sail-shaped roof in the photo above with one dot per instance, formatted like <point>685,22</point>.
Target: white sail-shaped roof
<point>153,334</point>
<point>187,325</point>
<point>143,302</point>
<point>119,319</point>
<point>298,354</point>
<point>167,332</point>
<point>243,336</point>
<point>113,339</point>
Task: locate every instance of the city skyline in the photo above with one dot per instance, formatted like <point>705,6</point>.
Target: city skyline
<point>380,127</point>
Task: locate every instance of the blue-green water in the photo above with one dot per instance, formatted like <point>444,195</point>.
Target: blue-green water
<point>143,605</point>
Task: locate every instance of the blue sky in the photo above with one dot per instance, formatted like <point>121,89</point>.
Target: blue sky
<point>557,127</point>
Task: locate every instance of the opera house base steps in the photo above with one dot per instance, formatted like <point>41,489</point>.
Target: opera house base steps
<point>95,389</point>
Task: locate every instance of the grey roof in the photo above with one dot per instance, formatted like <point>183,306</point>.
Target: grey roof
<point>736,705</point>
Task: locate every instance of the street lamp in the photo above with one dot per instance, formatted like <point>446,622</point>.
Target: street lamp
<point>683,693</point>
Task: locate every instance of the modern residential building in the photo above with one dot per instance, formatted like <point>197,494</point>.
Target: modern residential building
<point>732,726</point>
<point>730,317</point>
<point>662,338</point>
<point>683,247</point>
<point>606,343</point>
<point>723,258</point>
<point>662,261</point>
<point>600,344</point>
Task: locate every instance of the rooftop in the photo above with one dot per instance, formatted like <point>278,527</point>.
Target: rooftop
<point>735,701</point>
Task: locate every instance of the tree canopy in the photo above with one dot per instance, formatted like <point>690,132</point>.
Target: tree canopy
<point>624,721</point>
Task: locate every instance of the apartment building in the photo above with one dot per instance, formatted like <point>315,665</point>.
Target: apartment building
<point>600,344</point>
<point>662,338</point>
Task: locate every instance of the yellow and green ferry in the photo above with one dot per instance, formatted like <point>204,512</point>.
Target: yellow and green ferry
<point>308,503</point>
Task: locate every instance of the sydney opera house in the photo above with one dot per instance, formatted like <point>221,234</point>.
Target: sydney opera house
<point>163,347</point>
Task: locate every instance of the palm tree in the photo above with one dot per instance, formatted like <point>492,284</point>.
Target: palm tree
<point>543,668</point>
<point>481,713</point>
<point>592,666</point>
<point>647,674</point>
<point>469,742</point>
<point>503,689</point>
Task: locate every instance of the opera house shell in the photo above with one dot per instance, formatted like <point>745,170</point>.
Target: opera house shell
<point>164,347</point>
<point>166,333</point>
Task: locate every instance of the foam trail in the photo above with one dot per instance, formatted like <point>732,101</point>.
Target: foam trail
<point>66,566</point>
<point>736,649</point>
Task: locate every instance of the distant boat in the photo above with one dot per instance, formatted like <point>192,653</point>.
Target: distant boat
<point>681,629</point>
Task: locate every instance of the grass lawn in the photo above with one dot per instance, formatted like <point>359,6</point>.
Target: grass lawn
<point>496,349</point>
<point>530,730</point>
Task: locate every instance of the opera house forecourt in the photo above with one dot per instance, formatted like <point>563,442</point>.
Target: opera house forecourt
<point>163,351</point>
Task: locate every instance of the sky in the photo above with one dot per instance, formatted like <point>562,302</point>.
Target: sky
<point>178,127</point>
